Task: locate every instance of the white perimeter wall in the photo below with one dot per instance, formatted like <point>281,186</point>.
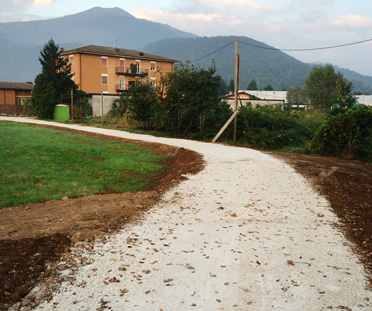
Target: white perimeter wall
<point>96,102</point>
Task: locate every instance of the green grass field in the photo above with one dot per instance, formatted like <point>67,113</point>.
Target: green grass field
<point>39,164</point>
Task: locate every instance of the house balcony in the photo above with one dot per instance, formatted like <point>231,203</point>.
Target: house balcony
<point>132,71</point>
<point>123,88</point>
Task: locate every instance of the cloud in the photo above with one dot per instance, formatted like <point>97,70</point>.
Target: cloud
<point>355,21</point>
<point>42,2</point>
<point>240,4</point>
<point>177,19</point>
<point>19,10</point>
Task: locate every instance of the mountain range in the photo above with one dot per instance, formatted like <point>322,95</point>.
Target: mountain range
<point>21,43</point>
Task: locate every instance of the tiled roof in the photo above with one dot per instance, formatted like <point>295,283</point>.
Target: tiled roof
<point>16,86</point>
<point>116,52</point>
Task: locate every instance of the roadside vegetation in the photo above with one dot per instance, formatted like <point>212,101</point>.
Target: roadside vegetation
<point>40,164</point>
<point>335,125</point>
<point>185,103</point>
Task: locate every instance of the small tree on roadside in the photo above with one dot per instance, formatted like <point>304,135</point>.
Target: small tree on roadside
<point>142,102</point>
<point>191,93</point>
<point>53,85</point>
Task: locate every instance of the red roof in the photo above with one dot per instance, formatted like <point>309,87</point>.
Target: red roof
<point>16,86</point>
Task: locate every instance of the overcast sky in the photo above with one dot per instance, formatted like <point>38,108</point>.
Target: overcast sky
<point>285,24</point>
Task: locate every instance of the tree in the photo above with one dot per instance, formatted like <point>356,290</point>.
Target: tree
<point>224,89</point>
<point>191,93</point>
<point>120,105</point>
<point>82,106</point>
<point>143,104</point>
<point>345,98</point>
<point>231,85</point>
<point>252,85</point>
<point>268,88</point>
<point>296,94</point>
<point>321,86</point>
<point>53,85</point>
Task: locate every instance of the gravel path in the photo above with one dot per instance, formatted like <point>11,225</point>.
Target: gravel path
<point>247,233</point>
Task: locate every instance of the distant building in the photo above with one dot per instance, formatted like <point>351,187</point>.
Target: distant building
<point>364,99</point>
<point>256,98</point>
<point>275,97</point>
<point>13,96</point>
<point>104,70</point>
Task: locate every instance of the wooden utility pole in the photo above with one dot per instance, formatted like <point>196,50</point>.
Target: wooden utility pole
<point>72,104</point>
<point>102,108</point>
<point>236,85</point>
<point>235,106</point>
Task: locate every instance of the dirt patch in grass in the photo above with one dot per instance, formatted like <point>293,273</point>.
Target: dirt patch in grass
<point>35,237</point>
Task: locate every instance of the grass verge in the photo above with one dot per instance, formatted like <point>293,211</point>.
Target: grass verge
<point>40,164</point>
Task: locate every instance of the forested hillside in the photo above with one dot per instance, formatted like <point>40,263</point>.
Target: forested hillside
<point>258,61</point>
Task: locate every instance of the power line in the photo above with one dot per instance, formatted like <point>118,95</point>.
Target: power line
<point>308,49</point>
<point>285,50</point>
<point>213,52</point>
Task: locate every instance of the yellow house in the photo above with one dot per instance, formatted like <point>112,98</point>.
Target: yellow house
<point>99,69</point>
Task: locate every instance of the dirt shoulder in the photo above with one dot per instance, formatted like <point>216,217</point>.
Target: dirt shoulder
<point>347,185</point>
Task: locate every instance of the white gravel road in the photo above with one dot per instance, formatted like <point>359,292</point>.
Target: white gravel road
<point>246,233</point>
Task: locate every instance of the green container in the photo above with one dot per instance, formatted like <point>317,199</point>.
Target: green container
<point>62,113</point>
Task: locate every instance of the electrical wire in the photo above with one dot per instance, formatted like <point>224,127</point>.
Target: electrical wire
<point>285,50</point>
<point>308,49</point>
<point>213,52</point>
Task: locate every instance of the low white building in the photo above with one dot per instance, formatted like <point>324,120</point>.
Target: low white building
<point>364,99</point>
<point>274,97</point>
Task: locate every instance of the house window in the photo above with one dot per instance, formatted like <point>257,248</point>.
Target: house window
<point>73,76</point>
<point>153,66</point>
<point>104,79</point>
<point>138,66</point>
<point>71,60</point>
<point>153,81</point>
<point>104,61</point>
<point>121,64</point>
<point>122,83</point>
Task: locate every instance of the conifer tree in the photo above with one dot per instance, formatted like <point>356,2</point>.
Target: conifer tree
<point>53,85</point>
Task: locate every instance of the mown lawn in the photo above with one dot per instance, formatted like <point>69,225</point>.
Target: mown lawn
<point>39,164</point>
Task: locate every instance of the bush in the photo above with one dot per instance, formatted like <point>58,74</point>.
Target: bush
<point>270,127</point>
<point>81,105</point>
<point>119,106</point>
<point>347,134</point>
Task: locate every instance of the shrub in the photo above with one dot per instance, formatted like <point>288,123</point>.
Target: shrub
<point>270,127</point>
<point>347,134</point>
<point>81,105</point>
<point>119,106</point>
